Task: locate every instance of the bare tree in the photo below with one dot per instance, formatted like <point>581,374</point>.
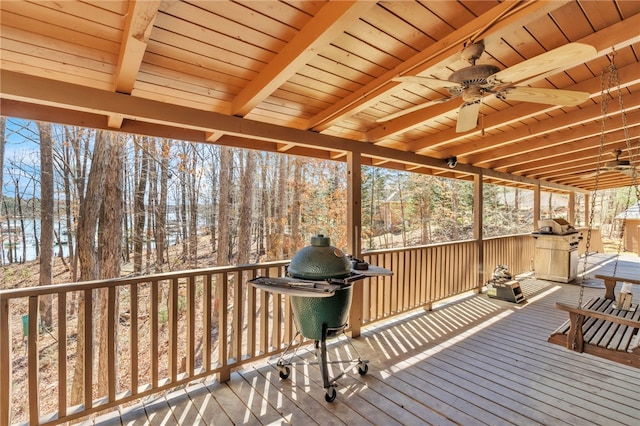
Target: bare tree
<point>46,219</point>
<point>139,214</point>
<point>88,216</point>
<point>193,182</point>
<point>226,159</point>
<point>281,215</point>
<point>296,204</point>
<point>161,209</point>
<point>246,208</point>
<point>109,254</point>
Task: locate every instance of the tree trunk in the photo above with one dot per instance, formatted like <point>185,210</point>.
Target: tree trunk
<point>161,211</point>
<point>192,191</point>
<point>226,158</point>
<point>46,220</point>
<point>183,204</point>
<point>126,213</point>
<point>214,202</point>
<point>281,208</point>
<point>246,209</point>
<point>139,206</point>
<point>88,214</point>
<point>109,256</point>
<point>296,205</point>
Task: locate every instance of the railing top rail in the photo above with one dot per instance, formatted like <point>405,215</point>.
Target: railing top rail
<point>419,247</point>
<point>115,282</point>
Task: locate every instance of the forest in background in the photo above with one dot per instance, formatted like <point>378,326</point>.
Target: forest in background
<point>215,205</point>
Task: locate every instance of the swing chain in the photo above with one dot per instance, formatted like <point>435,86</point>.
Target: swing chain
<point>605,95</point>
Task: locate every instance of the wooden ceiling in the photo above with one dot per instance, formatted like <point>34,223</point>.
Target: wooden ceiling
<point>316,78</point>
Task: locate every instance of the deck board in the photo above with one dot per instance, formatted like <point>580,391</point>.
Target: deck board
<point>473,361</point>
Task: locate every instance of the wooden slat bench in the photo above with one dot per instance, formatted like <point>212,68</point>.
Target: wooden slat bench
<point>601,330</point>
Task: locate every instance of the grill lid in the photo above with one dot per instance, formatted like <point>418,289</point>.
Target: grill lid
<point>556,226</point>
<point>319,261</point>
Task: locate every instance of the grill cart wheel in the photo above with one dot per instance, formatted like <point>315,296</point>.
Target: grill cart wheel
<point>284,372</point>
<point>363,368</point>
<point>330,395</point>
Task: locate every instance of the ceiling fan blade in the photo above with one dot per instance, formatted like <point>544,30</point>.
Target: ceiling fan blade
<point>427,81</point>
<point>628,172</point>
<point>588,176</point>
<point>468,116</point>
<point>412,109</point>
<point>544,96</point>
<point>560,57</point>
<point>624,171</point>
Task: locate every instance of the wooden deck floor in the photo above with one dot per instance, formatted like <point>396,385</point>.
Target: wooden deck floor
<point>477,361</point>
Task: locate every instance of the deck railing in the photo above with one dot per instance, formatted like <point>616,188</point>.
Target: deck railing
<point>207,322</point>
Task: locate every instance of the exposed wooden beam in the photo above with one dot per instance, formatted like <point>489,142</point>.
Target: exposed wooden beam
<point>139,23</point>
<point>331,21</point>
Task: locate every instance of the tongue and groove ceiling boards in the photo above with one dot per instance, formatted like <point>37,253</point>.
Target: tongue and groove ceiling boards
<point>512,89</point>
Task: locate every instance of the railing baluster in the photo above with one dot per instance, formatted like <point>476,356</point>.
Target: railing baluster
<point>264,324</point>
<point>112,334</point>
<point>191,324</point>
<point>206,313</point>
<point>133,336</point>
<point>5,363</point>
<point>276,321</point>
<point>236,322</point>
<point>173,330</point>
<point>62,354</point>
<point>88,349</point>
<point>153,333</point>
<point>223,342</point>
<point>32,361</point>
<point>251,315</point>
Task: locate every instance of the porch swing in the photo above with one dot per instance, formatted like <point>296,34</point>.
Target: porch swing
<point>605,326</point>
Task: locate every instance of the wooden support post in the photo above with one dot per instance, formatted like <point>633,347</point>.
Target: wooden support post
<point>478,207</point>
<point>572,208</point>
<point>354,227</point>
<point>536,205</point>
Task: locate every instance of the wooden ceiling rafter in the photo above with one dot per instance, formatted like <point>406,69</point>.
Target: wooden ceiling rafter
<point>585,136</point>
<point>438,54</point>
<point>332,20</point>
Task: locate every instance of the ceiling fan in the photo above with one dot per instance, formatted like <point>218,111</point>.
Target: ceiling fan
<point>476,81</point>
<point>617,165</point>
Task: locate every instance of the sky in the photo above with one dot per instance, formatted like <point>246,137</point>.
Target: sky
<point>21,152</point>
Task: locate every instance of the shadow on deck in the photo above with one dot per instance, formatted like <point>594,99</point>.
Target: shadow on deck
<point>476,360</point>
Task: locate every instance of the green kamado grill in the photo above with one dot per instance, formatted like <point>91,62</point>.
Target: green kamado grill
<point>319,282</point>
<point>321,261</point>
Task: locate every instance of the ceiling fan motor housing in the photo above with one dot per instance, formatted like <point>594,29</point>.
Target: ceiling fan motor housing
<point>472,79</point>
